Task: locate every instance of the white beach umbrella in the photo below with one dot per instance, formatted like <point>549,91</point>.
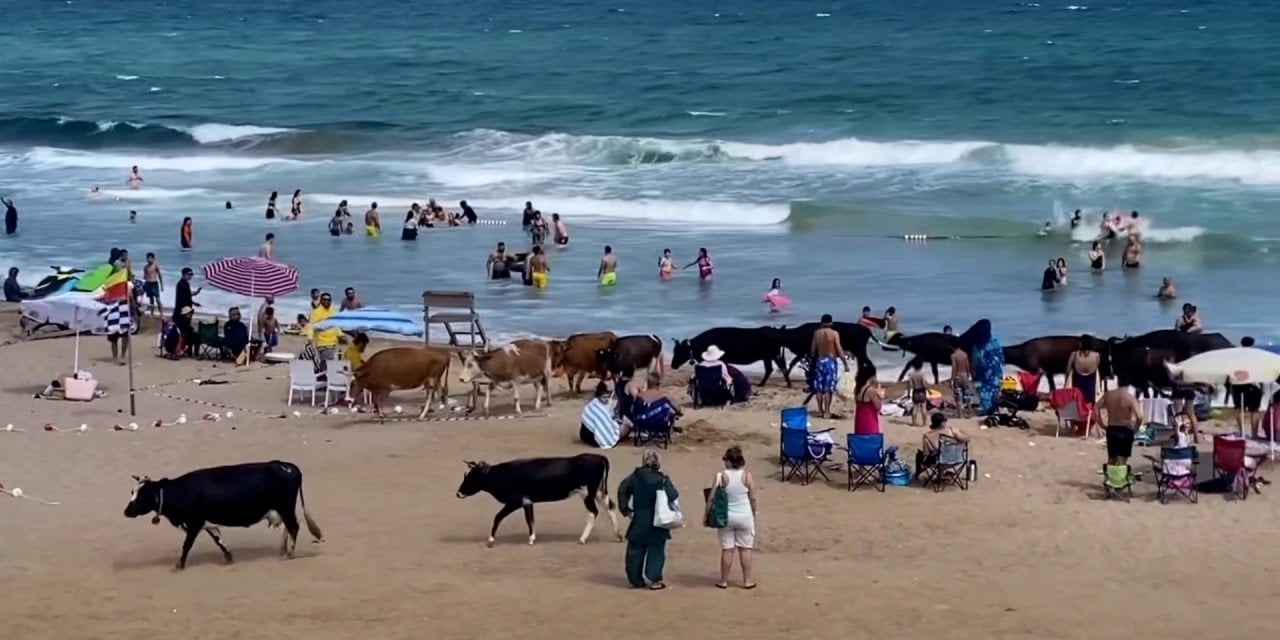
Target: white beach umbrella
<point>1239,365</point>
<point>77,311</point>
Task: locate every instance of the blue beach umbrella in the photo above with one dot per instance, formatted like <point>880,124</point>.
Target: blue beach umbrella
<point>372,319</point>
<point>1272,347</point>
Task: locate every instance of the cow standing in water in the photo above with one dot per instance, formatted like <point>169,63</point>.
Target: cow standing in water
<point>522,483</point>
<point>239,495</point>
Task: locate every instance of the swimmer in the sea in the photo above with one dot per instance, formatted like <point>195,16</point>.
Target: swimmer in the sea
<point>184,235</point>
<point>295,206</point>
<point>1049,280</point>
<point>271,206</point>
<point>499,263</point>
<point>774,297</point>
<point>538,267</point>
<point>559,231</point>
<point>135,178</point>
<point>1061,267</point>
<point>342,210</point>
<point>666,265</point>
<point>703,262</point>
<point>133,216</point>
<point>372,223</point>
<point>95,193</point>
<point>608,271</point>
<point>468,213</point>
<point>526,216</point>
<point>1044,231</point>
<point>1076,219</point>
<point>1135,224</point>
<point>1132,253</point>
<point>1097,259</point>
<point>335,224</point>
<point>1168,290</point>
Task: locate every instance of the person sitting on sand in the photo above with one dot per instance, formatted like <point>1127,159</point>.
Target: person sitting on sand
<point>598,426</point>
<point>1168,290</point>
<point>12,290</point>
<point>299,325</point>
<point>931,442</point>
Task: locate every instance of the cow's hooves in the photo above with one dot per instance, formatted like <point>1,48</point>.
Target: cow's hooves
<point>489,544</point>
<point>179,567</point>
<point>228,559</point>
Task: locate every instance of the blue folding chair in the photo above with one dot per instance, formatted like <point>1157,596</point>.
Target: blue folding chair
<point>801,457</point>
<point>866,460</point>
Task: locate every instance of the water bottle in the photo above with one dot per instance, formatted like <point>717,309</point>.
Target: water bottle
<point>971,471</point>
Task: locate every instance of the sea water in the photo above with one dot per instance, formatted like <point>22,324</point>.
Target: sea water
<point>792,140</point>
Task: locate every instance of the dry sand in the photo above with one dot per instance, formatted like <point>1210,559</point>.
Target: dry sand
<point>1028,552</point>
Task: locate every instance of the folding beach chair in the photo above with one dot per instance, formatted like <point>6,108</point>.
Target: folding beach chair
<point>801,457</point>
<point>1067,404</point>
<point>708,388</point>
<point>210,340</point>
<point>1175,473</point>
<point>1229,462</point>
<point>951,467</point>
<point>1117,480</point>
<point>866,460</point>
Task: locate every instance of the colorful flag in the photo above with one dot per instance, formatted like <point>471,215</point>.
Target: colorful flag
<point>116,287</point>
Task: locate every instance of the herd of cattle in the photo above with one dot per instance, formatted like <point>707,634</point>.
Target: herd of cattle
<point>246,494</point>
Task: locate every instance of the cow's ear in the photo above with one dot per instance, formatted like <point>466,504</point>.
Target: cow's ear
<point>137,479</point>
<point>470,464</point>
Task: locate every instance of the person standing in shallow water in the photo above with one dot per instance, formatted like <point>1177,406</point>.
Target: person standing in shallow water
<point>704,265</point>
<point>10,216</point>
<point>271,206</point>
<point>184,234</point>
<point>608,271</point>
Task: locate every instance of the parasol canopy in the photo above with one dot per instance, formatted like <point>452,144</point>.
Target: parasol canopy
<point>372,319</point>
<point>251,276</point>
<point>1238,365</point>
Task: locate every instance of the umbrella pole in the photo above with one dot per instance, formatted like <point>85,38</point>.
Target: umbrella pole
<point>128,353</point>
<point>75,364</point>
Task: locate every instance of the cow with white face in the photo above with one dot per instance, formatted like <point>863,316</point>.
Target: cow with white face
<point>521,362</point>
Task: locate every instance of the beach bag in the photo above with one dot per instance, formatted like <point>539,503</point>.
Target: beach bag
<point>666,515</point>
<point>717,516</point>
<point>846,386</point>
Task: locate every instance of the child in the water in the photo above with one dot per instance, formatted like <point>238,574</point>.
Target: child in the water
<point>666,264</point>
<point>774,298</point>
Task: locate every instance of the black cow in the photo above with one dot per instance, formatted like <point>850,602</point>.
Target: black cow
<point>853,339</point>
<point>741,346</point>
<point>1139,361</point>
<point>239,495</point>
<point>637,352</point>
<point>1046,355</point>
<point>524,483</point>
<point>932,348</point>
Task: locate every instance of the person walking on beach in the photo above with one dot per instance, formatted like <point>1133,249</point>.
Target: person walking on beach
<point>826,351</point>
<point>919,393</point>
<point>608,271</point>
<point>153,284</point>
<point>372,223</point>
<point>295,206</point>
<point>268,249</point>
<point>10,216</point>
<point>184,234</point>
<point>961,380</point>
<point>738,535</point>
<point>704,265</point>
<point>538,267</point>
<point>646,544</point>
<point>666,265</point>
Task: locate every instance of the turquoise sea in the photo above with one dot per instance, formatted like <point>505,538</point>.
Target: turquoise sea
<point>797,140</point>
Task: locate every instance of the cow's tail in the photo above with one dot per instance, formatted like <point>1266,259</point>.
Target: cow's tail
<point>312,527</point>
<point>603,491</point>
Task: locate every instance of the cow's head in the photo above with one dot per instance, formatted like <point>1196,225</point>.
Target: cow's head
<point>147,496</point>
<point>681,354</point>
<point>471,370</point>
<point>558,349</point>
<point>607,360</point>
<point>474,480</point>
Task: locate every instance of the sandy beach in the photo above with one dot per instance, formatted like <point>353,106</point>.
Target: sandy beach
<point>1029,551</point>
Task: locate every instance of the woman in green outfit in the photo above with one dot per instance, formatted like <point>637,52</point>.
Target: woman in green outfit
<point>646,544</point>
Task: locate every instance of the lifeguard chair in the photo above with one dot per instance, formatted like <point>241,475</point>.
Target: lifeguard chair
<point>456,310</point>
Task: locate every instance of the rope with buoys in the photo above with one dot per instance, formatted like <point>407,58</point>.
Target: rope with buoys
<point>17,492</point>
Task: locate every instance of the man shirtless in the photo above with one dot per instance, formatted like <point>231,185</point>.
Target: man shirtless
<point>961,381</point>
<point>1122,413</point>
<point>825,351</point>
<point>1132,253</point>
<point>268,249</point>
<point>538,267</point>
<point>135,178</point>
<point>558,230</point>
<point>153,284</point>
<point>372,221</point>
<point>608,271</point>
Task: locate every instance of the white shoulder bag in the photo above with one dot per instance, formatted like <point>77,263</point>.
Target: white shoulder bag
<point>665,514</point>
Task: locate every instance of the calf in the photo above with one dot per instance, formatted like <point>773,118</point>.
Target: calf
<point>520,362</point>
<point>523,483</point>
<point>576,357</point>
<point>637,352</point>
<point>401,368</point>
<point>240,495</point>
<point>741,346</point>
<point>853,339</point>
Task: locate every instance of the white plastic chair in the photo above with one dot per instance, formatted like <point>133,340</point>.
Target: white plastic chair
<point>302,377</point>
<point>338,379</point>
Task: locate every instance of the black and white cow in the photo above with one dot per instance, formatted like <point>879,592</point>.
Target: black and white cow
<point>522,483</point>
<point>240,495</point>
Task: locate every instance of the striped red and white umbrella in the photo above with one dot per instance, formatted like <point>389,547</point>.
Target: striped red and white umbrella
<point>251,276</point>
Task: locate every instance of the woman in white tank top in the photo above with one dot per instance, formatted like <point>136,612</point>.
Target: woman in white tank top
<point>738,537</point>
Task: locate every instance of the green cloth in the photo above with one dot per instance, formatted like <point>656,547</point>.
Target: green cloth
<point>1117,475</point>
<point>645,562</point>
<point>93,278</point>
<point>637,496</point>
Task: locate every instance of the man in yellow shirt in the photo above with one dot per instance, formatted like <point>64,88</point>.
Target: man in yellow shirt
<point>325,340</point>
<point>355,352</point>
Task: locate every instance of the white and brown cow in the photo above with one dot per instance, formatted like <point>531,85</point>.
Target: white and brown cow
<point>521,362</point>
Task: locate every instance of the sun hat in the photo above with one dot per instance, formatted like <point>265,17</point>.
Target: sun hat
<point>712,354</point>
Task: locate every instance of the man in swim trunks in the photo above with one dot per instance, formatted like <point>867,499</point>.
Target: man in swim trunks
<point>919,393</point>
<point>135,178</point>
<point>608,271</point>
<point>153,284</point>
<point>961,378</point>
<point>825,352</point>
<point>1082,370</point>
<point>1122,413</point>
<point>1132,258</point>
<point>372,223</point>
<point>268,248</point>
<point>350,301</point>
<point>538,267</point>
<point>499,263</point>
<point>558,230</point>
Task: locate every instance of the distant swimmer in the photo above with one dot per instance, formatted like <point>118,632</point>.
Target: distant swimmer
<point>526,217</point>
<point>135,178</point>
<point>1061,266</point>
<point>295,206</point>
<point>666,265</point>
<point>410,229</point>
<point>1076,219</point>
<point>227,206</point>
<point>95,193</point>
<point>10,216</point>
<point>775,299</point>
<point>336,223</point>
<point>1097,258</point>
<point>1168,290</point>
<point>1134,228</point>
<point>538,268</point>
<point>559,231</point>
<point>268,248</point>
<point>608,271</point>
<point>372,223</point>
<point>342,210</point>
<point>272,211</point>
<point>1132,253</point>
<point>538,229</point>
<point>468,213</point>
<point>184,235</point>
<point>1049,280</point>
<point>499,263</point>
<point>133,216</point>
<point>705,267</point>
<point>1045,230</point>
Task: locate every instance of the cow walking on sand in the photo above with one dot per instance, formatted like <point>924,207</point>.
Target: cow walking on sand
<point>402,368</point>
<point>519,484</point>
<point>521,362</point>
<point>240,495</point>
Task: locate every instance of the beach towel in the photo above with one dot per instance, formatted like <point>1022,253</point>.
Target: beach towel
<point>988,363</point>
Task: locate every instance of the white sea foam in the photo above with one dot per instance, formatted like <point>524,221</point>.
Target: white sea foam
<point>49,158</point>
<point>215,132</point>
<point>469,176</point>
<point>855,152</point>
<point>1248,167</point>
<point>152,194</point>
<point>707,114</point>
<point>123,77</point>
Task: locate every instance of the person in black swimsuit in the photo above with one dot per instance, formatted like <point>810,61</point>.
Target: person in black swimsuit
<point>271,206</point>
<point>1050,279</point>
<point>1097,259</point>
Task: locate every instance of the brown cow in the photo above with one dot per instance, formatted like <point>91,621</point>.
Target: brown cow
<point>638,352</point>
<point>520,362</point>
<point>577,356</point>
<point>401,368</point>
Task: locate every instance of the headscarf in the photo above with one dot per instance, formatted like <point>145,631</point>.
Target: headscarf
<point>650,459</point>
